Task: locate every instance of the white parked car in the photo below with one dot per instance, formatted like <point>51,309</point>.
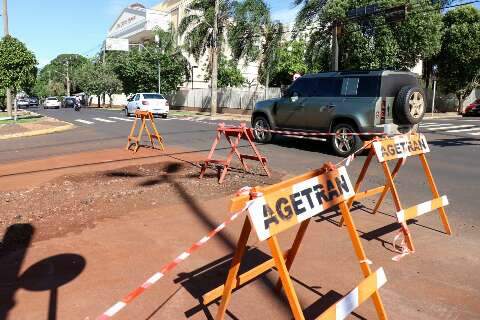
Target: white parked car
<point>152,102</point>
<point>52,102</point>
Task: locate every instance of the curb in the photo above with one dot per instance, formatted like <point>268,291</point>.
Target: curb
<point>37,132</point>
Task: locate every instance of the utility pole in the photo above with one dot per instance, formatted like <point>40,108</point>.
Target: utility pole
<point>335,46</point>
<point>8,91</point>
<point>213,106</point>
<point>159,67</point>
<point>67,75</point>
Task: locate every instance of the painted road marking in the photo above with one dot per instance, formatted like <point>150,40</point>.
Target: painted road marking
<point>451,127</point>
<point>433,125</point>
<point>475,133</point>
<point>122,119</point>
<point>104,120</point>
<point>84,121</point>
<point>464,130</point>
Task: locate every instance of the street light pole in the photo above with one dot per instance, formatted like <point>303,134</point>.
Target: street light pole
<point>213,105</point>
<point>157,40</point>
<point>8,91</point>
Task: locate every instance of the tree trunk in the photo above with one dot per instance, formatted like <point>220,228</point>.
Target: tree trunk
<point>460,104</point>
<point>98,99</point>
<point>110,102</point>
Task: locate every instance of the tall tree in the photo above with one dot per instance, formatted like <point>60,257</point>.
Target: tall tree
<point>137,69</point>
<point>374,42</point>
<point>228,73</point>
<point>99,79</point>
<point>459,58</point>
<point>251,18</point>
<point>17,65</point>
<point>204,28</point>
<point>289,59</point>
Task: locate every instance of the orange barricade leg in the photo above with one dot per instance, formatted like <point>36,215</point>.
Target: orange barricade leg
<point>434,189</point>
<point>144,118</point>
<point>233,135</point>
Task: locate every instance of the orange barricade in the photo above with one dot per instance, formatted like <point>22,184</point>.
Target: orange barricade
<point>285,205</point>
<point>145,118</point>
<point>238,134</point>
<point>400,148</point>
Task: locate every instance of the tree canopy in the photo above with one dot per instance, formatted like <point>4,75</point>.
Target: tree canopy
<point>197,26</point>
<point>374,42</point>
<point>17,65</point>
<point>99,79</point>
<point>459,58</point>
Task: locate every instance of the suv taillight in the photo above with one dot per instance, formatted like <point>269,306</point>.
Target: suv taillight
<point>166,103</point>
<point>145,103</point>
<point>383,111</point>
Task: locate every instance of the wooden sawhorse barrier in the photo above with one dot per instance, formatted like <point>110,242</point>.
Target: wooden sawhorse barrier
<point>282,206</point>
<point>145,118</point>
<point>238,134</point>
<point>401,147</point>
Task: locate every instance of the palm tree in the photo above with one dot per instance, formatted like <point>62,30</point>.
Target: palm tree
<point>204,29</point>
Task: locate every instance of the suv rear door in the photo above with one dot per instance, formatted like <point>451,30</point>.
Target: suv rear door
<point>289,110</point>
<point>360,96</point>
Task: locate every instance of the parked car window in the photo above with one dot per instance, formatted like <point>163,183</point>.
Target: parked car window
<point>137,97</point>
<point>52,99</point>
<point>350,86</point>
<point>153,96</point>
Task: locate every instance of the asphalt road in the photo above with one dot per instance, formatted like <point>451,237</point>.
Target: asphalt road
<point>454,143</point>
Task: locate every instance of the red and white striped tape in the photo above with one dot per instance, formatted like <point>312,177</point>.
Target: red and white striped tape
<point>113,310</point>
<point>319,134</point>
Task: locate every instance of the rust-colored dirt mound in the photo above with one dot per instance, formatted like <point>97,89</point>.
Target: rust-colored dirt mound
<point>72,203</point>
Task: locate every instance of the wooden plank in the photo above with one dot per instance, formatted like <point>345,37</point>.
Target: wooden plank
<point>362,258</point>
<point>421,209</point>
<point>368,193</point>
<point>232,274</point>
<point>285,278</point>
<point>434,189</point>
<point>343,308</point>
<point>245,277</point>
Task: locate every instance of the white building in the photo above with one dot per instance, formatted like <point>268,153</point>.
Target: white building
<point>137,24</point>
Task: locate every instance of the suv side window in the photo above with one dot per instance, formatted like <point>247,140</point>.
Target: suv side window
<point>326,87</point>
<point>137,97</point>
<point>369,87</point>
<point>350,86</point>
<point>300,88</point>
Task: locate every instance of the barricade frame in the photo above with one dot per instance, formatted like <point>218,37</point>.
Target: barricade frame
<point>389,187</point>
<point>283,261</point>
<point>135,140</point>
<point>237,134</point>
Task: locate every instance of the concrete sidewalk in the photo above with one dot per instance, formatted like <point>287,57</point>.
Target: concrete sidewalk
<point>81,274</point>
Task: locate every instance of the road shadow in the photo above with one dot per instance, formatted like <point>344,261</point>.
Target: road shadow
<point>212,275</point>
<point>46,275</point>
<point>208,277</point>
<point>455,141</point>
<point>210,224</point>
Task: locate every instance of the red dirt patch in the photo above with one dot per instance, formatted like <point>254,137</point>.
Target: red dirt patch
<point>74,202</point>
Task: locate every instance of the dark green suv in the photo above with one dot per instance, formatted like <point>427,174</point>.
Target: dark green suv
<point>342,103</point>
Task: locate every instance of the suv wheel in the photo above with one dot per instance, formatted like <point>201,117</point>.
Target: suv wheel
<point>127,114</point>
<point>342,143</point>
<point>259,124</point>
<point>410,105</point>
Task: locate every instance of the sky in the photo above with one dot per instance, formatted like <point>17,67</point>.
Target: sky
<point>53,27</point>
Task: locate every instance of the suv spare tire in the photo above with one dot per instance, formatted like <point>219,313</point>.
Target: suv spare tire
<point>410,105</point>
